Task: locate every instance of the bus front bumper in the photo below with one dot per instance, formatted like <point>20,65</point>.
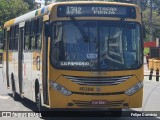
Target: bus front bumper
<point>58,100</point>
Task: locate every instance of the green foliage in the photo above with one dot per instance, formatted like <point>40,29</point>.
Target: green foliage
<point>30,3</point>
<point>146,50</point>
<point>155,22</point>
<point>10,9</point>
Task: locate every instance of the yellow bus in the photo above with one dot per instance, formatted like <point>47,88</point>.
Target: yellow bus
<point>79,55</point>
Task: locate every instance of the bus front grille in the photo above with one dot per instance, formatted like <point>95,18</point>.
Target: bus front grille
<point>98,81</point>
<point>89,103</point>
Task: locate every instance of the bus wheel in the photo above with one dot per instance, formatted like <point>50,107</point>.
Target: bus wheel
<point>38,101</point>
<point>15,95</point>
<point>116,112</point>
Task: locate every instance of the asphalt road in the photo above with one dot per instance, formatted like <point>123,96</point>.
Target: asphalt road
<point>151,102</point>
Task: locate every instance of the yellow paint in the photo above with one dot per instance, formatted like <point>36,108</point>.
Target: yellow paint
<point>8,28</point>
<point>45,17</point>
<point>9,23</point>
<point>61,101</point>
<point>49,91</point>
<point>4,56</point>
<point>136,99</point>
<point>10,58</point>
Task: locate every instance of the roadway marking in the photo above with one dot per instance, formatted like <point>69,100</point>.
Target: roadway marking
<point>4,97</point>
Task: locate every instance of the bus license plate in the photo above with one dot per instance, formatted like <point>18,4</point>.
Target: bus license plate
<point>99,102</point>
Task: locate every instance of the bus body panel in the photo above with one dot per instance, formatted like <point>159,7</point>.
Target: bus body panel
<point>83,90</point>
<point>27,74</point>
<point>85,101</point>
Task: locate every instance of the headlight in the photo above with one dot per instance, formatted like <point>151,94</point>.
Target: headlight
<point>134,89</point>
<point>60,88</point>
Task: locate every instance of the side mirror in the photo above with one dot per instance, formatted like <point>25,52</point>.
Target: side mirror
<point>144,31</point>
<point>47,29</point>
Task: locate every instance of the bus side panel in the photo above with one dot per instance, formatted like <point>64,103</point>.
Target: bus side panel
<point>36,73</point>
<point>15,73</point>
<point>27,74</point>
<point>11,66</point>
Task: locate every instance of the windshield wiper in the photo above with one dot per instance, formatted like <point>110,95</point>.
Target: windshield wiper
<point>119,25</point>
<point>80,29</point>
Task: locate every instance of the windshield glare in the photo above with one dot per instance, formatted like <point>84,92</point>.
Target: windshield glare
<point>96,45</point>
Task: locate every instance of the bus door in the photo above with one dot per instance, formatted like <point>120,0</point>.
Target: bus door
<point>20,57</point>
<point>45,67</point>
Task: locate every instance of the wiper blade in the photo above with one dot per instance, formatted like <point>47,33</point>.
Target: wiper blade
<point>119,25</point>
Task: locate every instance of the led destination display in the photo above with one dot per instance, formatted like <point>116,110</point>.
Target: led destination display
<point>96,10</point>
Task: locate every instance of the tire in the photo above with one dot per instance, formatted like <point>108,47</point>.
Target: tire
<point>38,101</point>
<point>116,112</point>
<point>15,95</point>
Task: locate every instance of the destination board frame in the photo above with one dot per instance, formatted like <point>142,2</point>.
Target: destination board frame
<point>92,10</point>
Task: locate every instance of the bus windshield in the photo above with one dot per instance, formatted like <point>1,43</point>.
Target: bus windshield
<point>96,45</point>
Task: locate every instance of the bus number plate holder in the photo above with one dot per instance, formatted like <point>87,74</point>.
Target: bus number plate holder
<point>99,102</point>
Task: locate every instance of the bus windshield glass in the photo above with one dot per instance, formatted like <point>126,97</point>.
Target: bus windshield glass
<point>96,45</point>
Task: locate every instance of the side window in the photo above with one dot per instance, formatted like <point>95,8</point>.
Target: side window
<point>33,42</point>
<point>27,36</point>
<point>10,39</point>
<point>13,37</point>
<point>32,35</point>
<point>16,37</point>
<point>39,33</point>
<point>4,39</point>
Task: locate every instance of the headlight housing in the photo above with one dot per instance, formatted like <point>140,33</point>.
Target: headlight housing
<point>60,88</point>
<point>134,89</point>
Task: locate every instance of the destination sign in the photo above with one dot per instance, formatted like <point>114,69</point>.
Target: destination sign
<point>96,10</point>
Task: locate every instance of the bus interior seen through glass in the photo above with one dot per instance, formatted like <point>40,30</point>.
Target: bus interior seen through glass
<point>110,45</point>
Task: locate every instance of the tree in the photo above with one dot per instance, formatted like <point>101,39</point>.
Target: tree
<point>10,9</point>
<point>155,23</point>
<point>30,3</point>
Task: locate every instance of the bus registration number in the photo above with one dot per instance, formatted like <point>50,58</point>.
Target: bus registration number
<point>100,102</point>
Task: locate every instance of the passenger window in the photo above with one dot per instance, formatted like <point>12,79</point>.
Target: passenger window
<point>4,39</point>
<point>39,33</point>
<point>16,37</point>
<point>33,42</point>
<point>33,34</point>
<point>27,36</point>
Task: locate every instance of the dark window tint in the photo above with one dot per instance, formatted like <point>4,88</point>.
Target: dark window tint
<point>16,37</point>
<point>4,39</point>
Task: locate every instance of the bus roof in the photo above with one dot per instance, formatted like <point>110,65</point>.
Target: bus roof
<point>28,16</point>
<point>46,9</point>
